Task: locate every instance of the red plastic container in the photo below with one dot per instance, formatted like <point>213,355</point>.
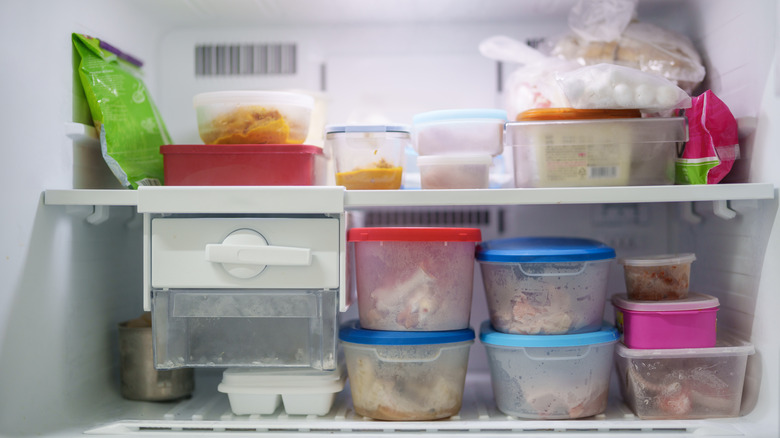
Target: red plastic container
<point>687,323</point>
<point>242,165</point>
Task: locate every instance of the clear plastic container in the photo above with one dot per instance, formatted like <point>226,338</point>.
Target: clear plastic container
<point>368,157</point>
<point>595,152</point>
<point>658,277</point>
<point>460,171</point>
<point>545,285</point>
<point>261,390</point>
<point>686,383</point>
<point>253,117</point>
<point>406,376</point>
<point>229,328</point>
<point>687,323</point>
<point>417,279</point>
<point>550,377</point>
<point>459,131</point>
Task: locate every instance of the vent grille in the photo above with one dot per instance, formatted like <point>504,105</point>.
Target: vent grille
<point>245,59</point>
<point>473,218</point>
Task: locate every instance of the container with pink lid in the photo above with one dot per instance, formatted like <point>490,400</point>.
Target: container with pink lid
<point>687,323</point>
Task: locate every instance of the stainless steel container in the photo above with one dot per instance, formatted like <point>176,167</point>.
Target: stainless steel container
<point>139,379</point>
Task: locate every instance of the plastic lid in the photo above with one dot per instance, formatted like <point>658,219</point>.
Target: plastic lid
<point>487,335</point>
<point>414,234</point>
<point>538,114</point>
<point>658,260</point>
<point>340,129</point>
<point>353,333</point>
<point>228,149</point>
<point>726,345</point>
<point>460,159</point>
<point>694,301</point>
<point>254,97</point>
<point>459,114</point>
<point>543,250</point>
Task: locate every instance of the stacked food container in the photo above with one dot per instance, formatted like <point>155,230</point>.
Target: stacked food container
<point>407,356</point>
<point>251,138</point>
<point>550,356</point>
<point>672,363</point>
<point>456,147</point>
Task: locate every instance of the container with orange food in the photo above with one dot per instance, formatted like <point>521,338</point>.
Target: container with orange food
<point>368,157</point>
<point>566,147</point>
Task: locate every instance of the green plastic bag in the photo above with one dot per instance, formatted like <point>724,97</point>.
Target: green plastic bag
<point>130,126</point>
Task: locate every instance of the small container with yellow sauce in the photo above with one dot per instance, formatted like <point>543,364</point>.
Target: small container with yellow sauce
<point>368,157</point>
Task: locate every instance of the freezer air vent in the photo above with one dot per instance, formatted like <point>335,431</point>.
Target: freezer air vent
<point>463,217</point>
<point>245,59</point>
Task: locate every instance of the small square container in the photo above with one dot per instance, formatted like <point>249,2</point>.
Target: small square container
<point>243,165</point>
<point>417,279</point>
<point>658,277</point>
<point>550,377</point>
<point>459,131</point>
<point>684,383</point>
<point>253,117</point>
<point>260,391</point>
<point>211,328</point>
<point>545,285</point>
<point>571,152</point>
<point>368,157</point>
<point>406,376</point>
<point>686,323</point>
<point>455,171</point>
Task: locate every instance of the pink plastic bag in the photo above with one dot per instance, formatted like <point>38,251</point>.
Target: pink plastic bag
<point>713,143</point>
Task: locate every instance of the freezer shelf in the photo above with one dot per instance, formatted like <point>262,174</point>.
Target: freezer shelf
<point>209,411</point>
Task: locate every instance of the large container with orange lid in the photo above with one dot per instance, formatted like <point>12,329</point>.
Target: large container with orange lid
<point>564,147</point>
<point>414,279</point>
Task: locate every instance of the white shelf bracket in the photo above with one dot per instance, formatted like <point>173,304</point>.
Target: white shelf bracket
<point>99,214</point>
<point>723,210</point>
<point>688,213</point>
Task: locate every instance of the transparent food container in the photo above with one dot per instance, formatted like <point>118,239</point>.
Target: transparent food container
<point>460,171</point>
<point>417,279</point>
<point>368,157</point>
<point>658,277</point>
<point>684,383</point>
<point>253,117</point>
<point>545,285</point>
<point>261,390</point>
<point>458,131</point>
<point>571,152</point>
<point>406,376</point>
<point>550,377</point>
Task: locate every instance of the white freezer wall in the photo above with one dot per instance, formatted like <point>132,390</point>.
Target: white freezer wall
<point>65,284</point>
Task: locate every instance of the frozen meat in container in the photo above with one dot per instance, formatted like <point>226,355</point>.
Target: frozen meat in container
<point>406,376</point>
<point>658,277</point>
<point>461,171</point>
<point>545,285</point>
<point>262,390</point>
<point>550,377</point>
<point>684,383</point>
<point>414,278</point>
<point>253,117</point>
<point>459,131</point>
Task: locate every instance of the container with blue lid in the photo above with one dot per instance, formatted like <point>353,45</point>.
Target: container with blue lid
<point>406,376</point>
<point>545,285</point>
<point>459,131</point>
<point>550,377</point>
<point>368,157</point>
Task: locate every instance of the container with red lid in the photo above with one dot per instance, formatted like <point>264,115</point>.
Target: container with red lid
<point>414,279</point>
<point>243,165</point>
<point>686,323</point>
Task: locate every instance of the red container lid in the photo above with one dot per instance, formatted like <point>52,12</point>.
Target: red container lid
<point>694,301</point>
<point>232,149</point>
<point>414,234</point>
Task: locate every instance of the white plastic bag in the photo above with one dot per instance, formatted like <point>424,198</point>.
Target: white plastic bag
<point>601,20</point>
<point>609,86</point>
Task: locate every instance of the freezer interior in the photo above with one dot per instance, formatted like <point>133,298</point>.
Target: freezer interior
<point>73,271</point>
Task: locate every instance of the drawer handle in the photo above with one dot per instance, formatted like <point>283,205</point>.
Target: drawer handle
<point>246,253</point>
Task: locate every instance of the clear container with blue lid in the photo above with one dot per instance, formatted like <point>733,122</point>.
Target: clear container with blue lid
<point>406,376</point>
<point>459,131</point>
<point>550,377</point>
<point>545,285</point>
